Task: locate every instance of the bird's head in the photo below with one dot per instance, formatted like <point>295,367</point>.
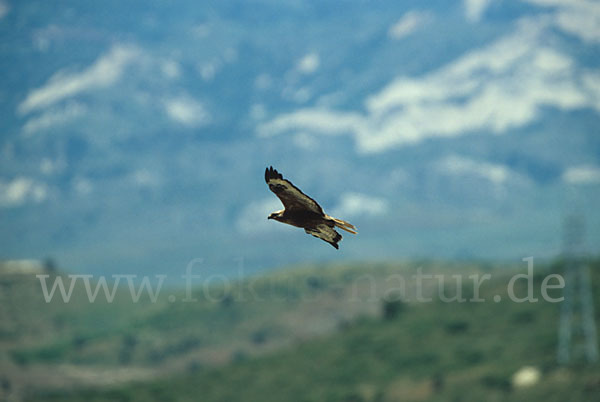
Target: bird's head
<point>275,215</point>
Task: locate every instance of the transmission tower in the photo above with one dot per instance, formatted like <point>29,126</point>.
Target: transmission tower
<point>577,329</point>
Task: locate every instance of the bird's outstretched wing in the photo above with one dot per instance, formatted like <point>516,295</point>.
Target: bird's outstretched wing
<point>292,198</point>
<point>325,232</point>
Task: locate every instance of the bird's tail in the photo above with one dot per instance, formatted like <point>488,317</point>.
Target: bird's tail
<point>348,227</point>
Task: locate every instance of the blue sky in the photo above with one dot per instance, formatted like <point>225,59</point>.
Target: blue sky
<point>135,139</point>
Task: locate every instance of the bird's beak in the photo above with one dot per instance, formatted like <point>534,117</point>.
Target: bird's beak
<point>269,217</point>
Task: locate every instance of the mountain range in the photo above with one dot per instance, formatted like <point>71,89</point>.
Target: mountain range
<point>135,134</point>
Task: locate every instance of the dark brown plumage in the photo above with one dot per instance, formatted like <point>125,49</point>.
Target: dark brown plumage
<point>304,212</point>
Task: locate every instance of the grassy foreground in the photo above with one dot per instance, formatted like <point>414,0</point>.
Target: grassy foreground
<point>340,333</point>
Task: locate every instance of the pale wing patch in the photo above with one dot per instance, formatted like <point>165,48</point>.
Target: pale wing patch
<point>291,197</point>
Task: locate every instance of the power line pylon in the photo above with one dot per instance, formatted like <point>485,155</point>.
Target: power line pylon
<point>577,329</point>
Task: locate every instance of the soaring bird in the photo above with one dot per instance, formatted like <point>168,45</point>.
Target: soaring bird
<point>304,212</point>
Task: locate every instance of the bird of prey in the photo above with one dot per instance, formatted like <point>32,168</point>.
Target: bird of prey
<point>304,212</point>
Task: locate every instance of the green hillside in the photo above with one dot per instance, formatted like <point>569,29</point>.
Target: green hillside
<point>337,333</point>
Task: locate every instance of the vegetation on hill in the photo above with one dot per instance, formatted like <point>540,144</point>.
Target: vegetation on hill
<point>337,333</point>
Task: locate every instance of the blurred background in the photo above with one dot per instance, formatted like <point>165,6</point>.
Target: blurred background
<point>134,138</point>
